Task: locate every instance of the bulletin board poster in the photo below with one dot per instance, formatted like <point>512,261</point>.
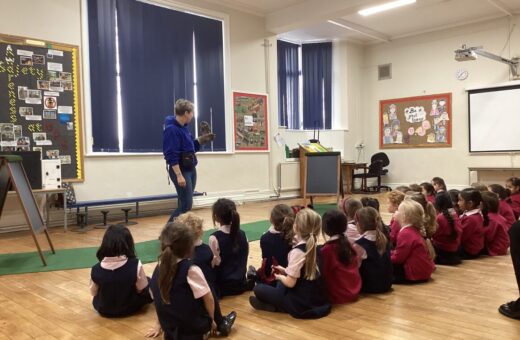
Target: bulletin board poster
<point>415,122</point>
<point>40,101</point>
<point>251,132</point>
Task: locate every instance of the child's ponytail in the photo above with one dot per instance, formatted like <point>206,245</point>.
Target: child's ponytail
<point>381,241</point>
<point>490,204</point>
<point>308,224</point>
<point>334,225</point>
<point>282,219</point>
<point>430,221</point>
<point>235,226</point>
<point>287,229</point>
<point>485,211</point>
<point>451,223</point>
<point>367,219</point>
<point>310,257</point>
<point>177,241</point>
<point>224,211</point>
<point>167,271</point>
<point>444,205</point>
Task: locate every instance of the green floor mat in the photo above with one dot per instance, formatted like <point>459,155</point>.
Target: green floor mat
<point>77,258</point>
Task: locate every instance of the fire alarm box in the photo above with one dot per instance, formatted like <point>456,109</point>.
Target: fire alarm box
<point>51,173</point>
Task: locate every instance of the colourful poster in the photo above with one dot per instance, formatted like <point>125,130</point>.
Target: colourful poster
<point>251,123</point>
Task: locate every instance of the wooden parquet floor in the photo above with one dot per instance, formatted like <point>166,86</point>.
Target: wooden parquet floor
<point>459,303</point>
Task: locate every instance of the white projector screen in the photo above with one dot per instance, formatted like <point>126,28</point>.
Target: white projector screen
<point>494,119</point>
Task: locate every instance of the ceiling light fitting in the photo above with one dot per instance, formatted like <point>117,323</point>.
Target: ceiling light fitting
<point>385,7</point>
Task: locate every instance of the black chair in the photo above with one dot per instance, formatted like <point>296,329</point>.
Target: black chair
<point>376,169</point>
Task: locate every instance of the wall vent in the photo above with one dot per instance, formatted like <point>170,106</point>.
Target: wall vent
<point>384,71</point>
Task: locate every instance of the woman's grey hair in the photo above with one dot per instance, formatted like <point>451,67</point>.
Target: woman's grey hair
<point>182,105</point>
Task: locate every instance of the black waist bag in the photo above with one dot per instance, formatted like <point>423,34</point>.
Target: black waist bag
<point>187,160</point>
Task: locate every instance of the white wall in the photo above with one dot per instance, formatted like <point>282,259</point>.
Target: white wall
<point>425,65</point>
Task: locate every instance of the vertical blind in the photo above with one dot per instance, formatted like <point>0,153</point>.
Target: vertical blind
<point>316,85</point>
<point>156,63</point>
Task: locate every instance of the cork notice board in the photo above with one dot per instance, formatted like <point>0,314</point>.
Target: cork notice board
<point>415,122</point>
<point>40,101</point>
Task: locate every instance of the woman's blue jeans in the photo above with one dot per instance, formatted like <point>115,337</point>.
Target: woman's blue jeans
<point>185,194</point>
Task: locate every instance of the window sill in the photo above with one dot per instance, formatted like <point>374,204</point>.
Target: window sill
<point>155,154</point>
<point>282,128</point>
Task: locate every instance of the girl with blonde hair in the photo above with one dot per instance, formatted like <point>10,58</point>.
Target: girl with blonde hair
<point>300,290</point>
<point>410,258</point>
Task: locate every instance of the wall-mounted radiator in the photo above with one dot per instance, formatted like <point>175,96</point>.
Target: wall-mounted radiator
<point>289,176</point>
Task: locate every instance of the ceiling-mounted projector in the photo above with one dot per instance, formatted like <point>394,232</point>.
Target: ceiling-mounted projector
<point>463,55</point>
<point>470,53</point>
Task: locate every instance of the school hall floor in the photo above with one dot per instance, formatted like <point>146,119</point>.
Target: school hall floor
<point>458,303</point>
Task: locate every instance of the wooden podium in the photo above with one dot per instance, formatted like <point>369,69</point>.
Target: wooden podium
<point>12,172</point>
<point>319,174</point>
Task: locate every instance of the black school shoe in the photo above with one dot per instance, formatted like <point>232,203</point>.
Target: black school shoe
<point>511,309</point>
<point>259,305</point>
<point>225,326</point>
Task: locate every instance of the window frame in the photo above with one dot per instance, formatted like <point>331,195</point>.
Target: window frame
<point>85,81</point>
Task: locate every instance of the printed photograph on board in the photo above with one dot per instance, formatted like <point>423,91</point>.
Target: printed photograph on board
<point>43,84</point>
<point>38,59</point>
<point>25,111</point>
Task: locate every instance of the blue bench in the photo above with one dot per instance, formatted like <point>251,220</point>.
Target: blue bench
<point>125,200</point>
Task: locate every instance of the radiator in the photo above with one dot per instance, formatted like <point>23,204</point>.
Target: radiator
<point>289,176</point>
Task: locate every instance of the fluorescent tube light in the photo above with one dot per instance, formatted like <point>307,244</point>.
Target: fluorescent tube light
<point>385,7</point>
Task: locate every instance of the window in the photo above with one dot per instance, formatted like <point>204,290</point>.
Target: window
<point>144,57</point>
<point>305,85</point>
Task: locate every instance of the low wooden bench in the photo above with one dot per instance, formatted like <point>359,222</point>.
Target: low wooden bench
<point>125,200</point>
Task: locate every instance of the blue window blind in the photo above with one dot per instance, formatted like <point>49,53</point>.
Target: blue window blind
<point>317,85</point>
<point>288,88</point>
<point>315,95</point>
<point>101,28</point>
<point>157,65</point>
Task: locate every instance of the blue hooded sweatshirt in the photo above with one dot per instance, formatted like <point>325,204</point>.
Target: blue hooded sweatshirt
<point>177,139</point>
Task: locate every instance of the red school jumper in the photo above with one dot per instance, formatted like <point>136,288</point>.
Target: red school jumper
<point>505,210</point>
<point>496,236</point>
<point>395,227</point>
<point>343,282</point>
<point>472,232</point>
<point>442,238</point>
<point>514,202</point>
<point>411,252</point>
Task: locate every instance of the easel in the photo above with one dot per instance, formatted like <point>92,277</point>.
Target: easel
<point>12,172</point>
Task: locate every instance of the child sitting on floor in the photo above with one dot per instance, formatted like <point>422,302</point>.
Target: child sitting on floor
<point>118,282</point>
<point>339,261</point>
<point>349,207</point>
<point>230,248</point>
<point>376,266</point>
<point>410,258</point>
<point>496,238</point>
<point>300,290</point>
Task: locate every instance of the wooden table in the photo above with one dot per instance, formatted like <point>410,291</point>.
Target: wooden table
<point>348,168</point>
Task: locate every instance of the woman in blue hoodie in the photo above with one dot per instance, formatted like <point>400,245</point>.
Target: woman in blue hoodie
<point>179,148</point>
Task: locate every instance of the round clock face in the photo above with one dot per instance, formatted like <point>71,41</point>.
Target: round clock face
<point>461,74</point>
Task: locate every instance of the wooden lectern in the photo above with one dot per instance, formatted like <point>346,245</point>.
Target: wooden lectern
<point>319,174</point>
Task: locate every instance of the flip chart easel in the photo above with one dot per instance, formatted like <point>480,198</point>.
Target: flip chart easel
<point>12,172</point>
